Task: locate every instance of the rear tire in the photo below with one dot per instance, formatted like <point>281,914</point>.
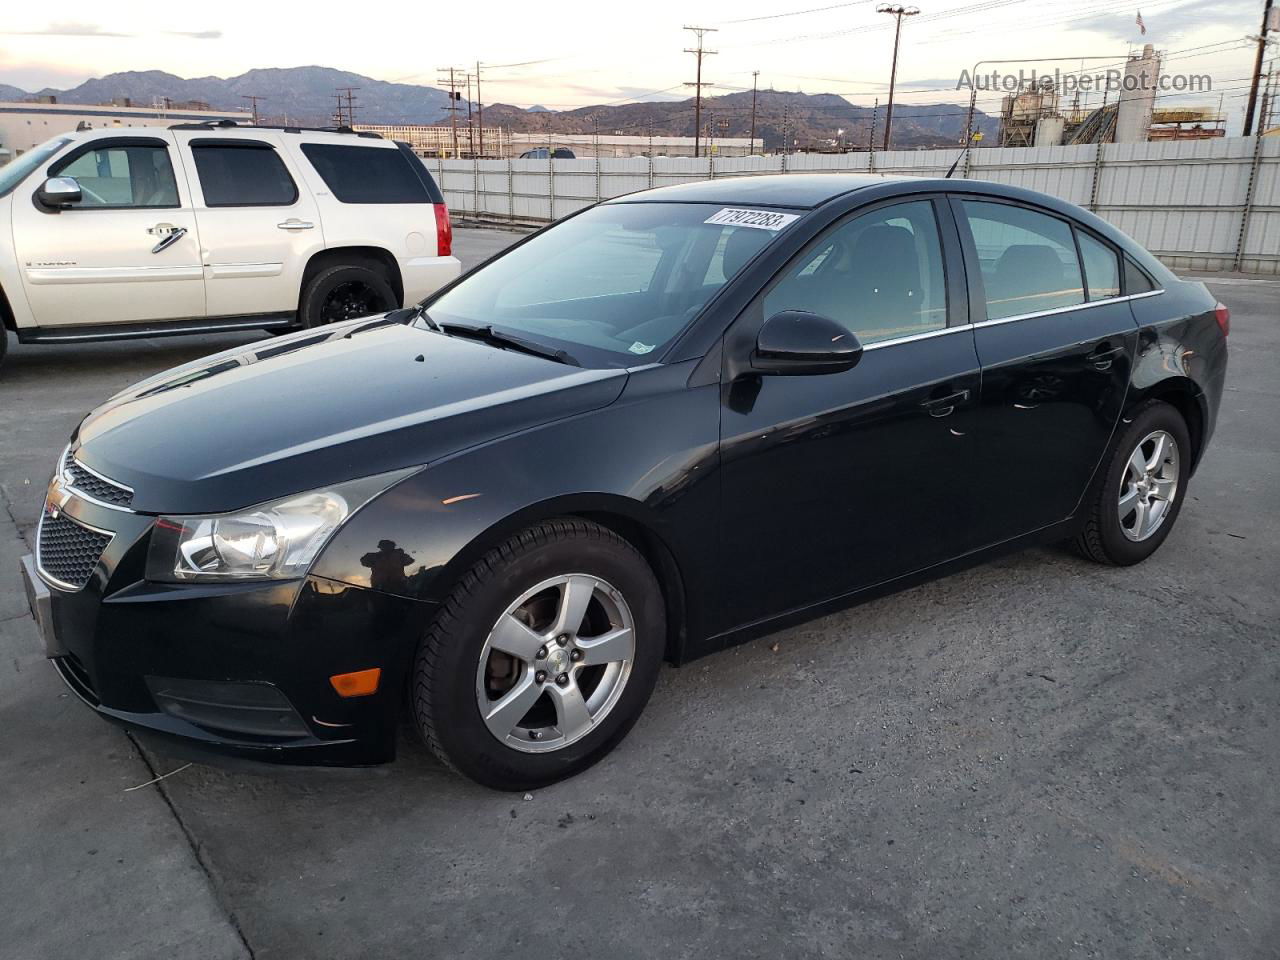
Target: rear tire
<point>1134,505</point>
<point>504,673</point>
<point>345,292</point>
<point>4,344</point>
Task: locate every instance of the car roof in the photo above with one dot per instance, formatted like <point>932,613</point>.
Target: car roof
<point>805,190</point>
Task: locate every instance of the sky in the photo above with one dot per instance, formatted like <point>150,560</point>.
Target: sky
<point>572,53</point>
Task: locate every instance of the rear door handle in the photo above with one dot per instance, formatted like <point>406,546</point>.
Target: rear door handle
<point>943,406</point>
<point>1103,356</point>
<point>295,224</point>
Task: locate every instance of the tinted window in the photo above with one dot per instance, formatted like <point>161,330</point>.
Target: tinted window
<point>1101,267</point>
<point>880,274</point>
<point>242,176</point>
<point>366,174</point>
<point>123,176</point>
<point>612,285</point>
<point>1136,279</point>
<point>16,170</point>
<point>1028,259</point>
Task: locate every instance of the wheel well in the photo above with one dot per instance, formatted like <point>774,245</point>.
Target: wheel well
<point>1183,397</point>
<point>6,313</point>
<point>373,256</point>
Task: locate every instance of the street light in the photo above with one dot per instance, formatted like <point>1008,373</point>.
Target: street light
<point>899,11</point>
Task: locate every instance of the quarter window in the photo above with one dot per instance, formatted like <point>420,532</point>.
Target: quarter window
<point>1101,267</point>
<point>242,175</point>
<point>123,176</point>
<point>1136,279</point>
<point>1028,259</point>
<point>880,274</point>
<point>366,174</point>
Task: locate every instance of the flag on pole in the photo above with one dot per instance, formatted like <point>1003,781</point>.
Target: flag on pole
<point>1141,26</point>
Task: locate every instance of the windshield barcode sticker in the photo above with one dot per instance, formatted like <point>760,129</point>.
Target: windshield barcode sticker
<point>760,219</point>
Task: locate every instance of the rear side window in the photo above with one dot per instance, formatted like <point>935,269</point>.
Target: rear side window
<point>1136,279</point>
<point>366,174</point>
<point>1101,267</point>
<point>243,175</point>
<point>1028,259</point>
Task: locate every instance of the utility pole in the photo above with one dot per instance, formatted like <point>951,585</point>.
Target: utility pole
<point>479,109</point>
<point>755,74</point>
<point>698,83</point>
<point>471,129</point>
<point>253,99</point>
<point>1267,25</point>
<point>452,81</point>
<point>351,105</point>
<point>899,11</point>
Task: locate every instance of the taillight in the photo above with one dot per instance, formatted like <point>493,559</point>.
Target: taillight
<point>1223,316</point>
<point>444,231</point>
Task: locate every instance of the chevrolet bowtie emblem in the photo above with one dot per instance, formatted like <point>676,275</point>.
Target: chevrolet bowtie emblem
<point>57,498</point>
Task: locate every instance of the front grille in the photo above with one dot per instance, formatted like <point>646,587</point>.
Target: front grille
<point>94,486</point>
<point>68,552</point>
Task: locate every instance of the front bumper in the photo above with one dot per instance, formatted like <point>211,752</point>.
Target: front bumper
<point>236,669</point>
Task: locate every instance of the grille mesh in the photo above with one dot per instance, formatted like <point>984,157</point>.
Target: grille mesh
<point>93,486</point>
<point>67,551</point>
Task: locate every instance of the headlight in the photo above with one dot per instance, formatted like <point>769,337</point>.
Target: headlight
<point>272,541</point>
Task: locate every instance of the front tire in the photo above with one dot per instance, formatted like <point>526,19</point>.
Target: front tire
<point>1143,483</point>
<point>542,657</point>
<point>345,292</point>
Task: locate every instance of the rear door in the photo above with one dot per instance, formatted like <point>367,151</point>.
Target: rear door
<point>128,252</point>
<point>258,222</point>
<point>1056,342</point>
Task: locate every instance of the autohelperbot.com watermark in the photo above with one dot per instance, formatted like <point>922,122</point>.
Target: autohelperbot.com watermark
<point>1070,81</point>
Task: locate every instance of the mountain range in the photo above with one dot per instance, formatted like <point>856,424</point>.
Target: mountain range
<point>306,95</point>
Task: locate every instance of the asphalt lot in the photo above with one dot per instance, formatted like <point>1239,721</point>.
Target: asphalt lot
<point>1038,758</point>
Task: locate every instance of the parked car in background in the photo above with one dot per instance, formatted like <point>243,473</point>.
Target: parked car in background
<point>669,423</point>
<point>117,233</point>
<point>541,153</point>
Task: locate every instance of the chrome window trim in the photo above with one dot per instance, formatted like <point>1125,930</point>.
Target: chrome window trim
<point>1021,316</point>
<point>50,578</point>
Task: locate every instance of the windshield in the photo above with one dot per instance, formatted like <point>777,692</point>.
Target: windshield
<point>16,170</point>
<point>614,285</point>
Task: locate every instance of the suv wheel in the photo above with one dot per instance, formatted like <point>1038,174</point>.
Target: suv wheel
<point>345,292</point>
<point>1143,485</point>
<point>4,342</point>
<point>542,658</point>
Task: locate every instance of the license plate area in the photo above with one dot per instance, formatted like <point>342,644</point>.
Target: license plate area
<point>39,599</point>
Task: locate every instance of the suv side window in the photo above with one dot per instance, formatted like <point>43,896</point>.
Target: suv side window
<point>366,174</point>
<point>880,274</point>
<point>122,176</point>
<point>1028,259</point>
<point>242,174</point>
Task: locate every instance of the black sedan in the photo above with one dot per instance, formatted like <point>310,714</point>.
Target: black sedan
<point>662,426</point>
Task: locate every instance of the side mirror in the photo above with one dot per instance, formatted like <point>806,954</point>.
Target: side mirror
<point>797,342</point>
<point>58,193</point>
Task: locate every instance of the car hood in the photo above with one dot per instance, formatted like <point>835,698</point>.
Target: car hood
<point>319,407</point>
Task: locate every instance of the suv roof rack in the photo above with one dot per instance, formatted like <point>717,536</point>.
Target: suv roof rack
<point>229,124</point>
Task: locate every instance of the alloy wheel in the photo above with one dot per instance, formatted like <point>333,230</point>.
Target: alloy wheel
<point>555,663</point>
<point>1149,485</point>
<point>349,300</point>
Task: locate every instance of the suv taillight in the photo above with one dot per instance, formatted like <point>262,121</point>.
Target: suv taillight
<point>444,231</point>
<point>1223,316</point>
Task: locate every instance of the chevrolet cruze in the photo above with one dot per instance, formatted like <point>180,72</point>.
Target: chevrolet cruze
<point>662,426</point>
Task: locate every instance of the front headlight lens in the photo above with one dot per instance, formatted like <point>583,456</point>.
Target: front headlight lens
<point>272,541</point>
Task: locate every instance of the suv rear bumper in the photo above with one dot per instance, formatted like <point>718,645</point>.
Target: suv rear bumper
<point>425,275</point>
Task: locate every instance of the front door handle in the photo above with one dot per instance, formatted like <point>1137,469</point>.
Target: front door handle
<point>943,406</point>
<point>1103,356</point>
<point>169,239</point>
<point>293,223</point>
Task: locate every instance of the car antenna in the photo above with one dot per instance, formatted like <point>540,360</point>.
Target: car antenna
<point>977,135</point>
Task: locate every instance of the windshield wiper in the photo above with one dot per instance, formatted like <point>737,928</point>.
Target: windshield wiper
<point>498,338</point>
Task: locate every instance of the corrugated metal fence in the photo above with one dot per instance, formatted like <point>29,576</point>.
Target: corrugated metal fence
<point>1198,205</point>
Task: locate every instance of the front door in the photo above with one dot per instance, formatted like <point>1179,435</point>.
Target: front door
<point>836,482</point>
<point>1057,346</point>
<point>128,252</point>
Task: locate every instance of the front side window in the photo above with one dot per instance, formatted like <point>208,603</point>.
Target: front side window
<point>123,176</point>
<point>1101,267</point>
<point>1028,259</point>
<point>880,274</point>
<point>613,285</point>
<point>366,174</point>
<point>16,170</point>
<point>242,176</point>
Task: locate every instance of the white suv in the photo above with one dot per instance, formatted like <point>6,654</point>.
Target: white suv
<point>140,232</point>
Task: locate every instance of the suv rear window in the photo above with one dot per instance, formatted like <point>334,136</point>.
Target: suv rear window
<point>367,174</point>
<point>242,174</point>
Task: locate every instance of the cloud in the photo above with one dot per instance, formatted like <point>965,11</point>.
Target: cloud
<point>1166,23</point>
<point>197,34</point>
<point>68,29</point>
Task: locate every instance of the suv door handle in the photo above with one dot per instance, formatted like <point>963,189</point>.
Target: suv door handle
<point>1104,354</point>
<point>169,239</point>
<point>295,224</point>
<point>943,406</point>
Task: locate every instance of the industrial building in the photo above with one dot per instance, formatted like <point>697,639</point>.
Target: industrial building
<point>466,142</point>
